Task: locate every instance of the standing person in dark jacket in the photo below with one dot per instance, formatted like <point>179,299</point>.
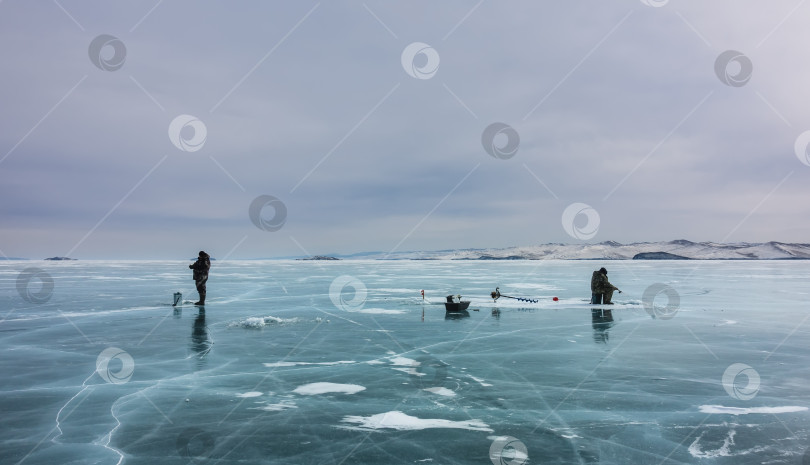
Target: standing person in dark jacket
<point>201,267</point>
<point>601,285</point>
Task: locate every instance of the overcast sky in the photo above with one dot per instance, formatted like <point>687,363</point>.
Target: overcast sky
<point>349,126</point>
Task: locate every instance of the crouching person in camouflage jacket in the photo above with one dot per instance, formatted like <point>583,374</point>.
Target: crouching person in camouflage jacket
<point>601,285</point>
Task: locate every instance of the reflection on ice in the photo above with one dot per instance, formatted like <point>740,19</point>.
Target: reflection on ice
<point>200,342</point>
<point>602,321</point>
<point>456,315</point>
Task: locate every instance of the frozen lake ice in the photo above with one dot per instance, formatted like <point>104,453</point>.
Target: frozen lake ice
<point>299,362</point>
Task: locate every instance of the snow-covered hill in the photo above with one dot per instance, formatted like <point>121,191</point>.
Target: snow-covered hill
<point>614,251</point>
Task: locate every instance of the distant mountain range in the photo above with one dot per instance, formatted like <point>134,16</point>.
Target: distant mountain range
<point>672,250</point>
<point>610,250</point>
<point>51,258</point>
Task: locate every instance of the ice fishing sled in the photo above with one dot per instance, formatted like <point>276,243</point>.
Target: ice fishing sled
<point>456,306</point>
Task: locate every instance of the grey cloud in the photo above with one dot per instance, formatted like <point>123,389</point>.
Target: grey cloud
<point>607,106</point>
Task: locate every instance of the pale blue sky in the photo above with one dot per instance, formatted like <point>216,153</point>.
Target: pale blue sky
<point>617,105</point>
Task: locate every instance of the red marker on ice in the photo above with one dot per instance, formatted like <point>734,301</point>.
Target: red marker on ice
<point>555,299</point>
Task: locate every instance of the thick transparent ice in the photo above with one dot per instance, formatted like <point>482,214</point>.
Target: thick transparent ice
<point>274,369</point>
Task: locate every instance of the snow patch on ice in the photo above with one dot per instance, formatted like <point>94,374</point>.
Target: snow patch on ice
<point>284,364</point>
<point>724,450</point>
<point>544,287</point>
<point>405,365</point>
<point>261,322</point>
<point>403,361</point>
<point>480,381</point>
<point>380,311</point>
<point>283,405</point>
<point>746,411</point>
<point>248,395</point>
<point>410,371</point>
<point>292,364</point>
<point>566,433</point>
<point>327,388</point>
<point>400,421</point>
<point>442,391</point>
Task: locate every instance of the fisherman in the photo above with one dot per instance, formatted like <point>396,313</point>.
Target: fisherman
<point>601,289</point>
<point>201,267</point>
